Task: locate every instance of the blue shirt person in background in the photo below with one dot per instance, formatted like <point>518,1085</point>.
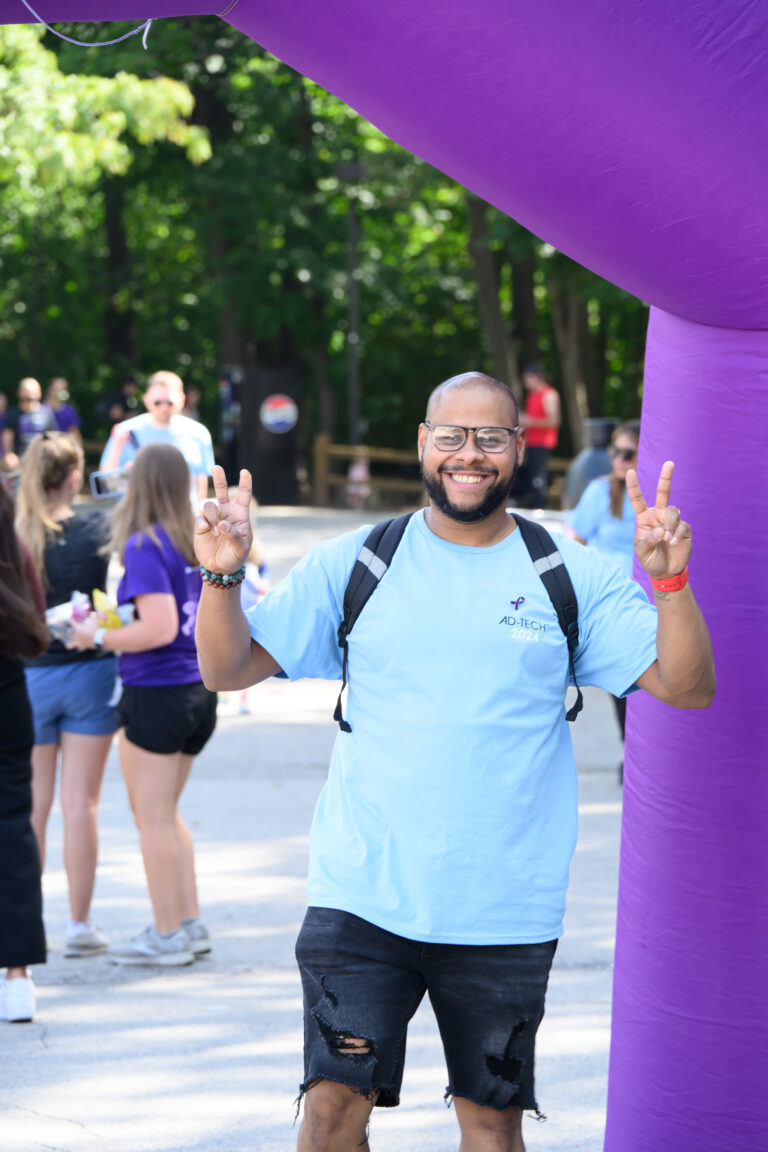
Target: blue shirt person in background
<point>441,841</point>
<point>603,517</point>
<point>604,520</point>
<point>163,423</point>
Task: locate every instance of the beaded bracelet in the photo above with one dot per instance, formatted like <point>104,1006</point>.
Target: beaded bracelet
<point>221,579</point>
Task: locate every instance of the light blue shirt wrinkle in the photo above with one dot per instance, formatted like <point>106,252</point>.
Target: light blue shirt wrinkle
<point>450,810</point>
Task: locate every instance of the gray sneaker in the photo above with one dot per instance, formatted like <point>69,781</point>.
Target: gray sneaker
<point>151,948</point>
<point>85,940</point>
<point>199,937</point>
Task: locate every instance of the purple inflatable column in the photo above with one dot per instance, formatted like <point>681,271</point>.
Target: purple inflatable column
<point>689,1050</point>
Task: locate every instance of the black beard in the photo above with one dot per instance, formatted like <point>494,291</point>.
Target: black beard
<point>493,499</point>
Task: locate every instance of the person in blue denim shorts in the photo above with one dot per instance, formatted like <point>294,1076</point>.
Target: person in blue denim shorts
<point>441,841</point>
<point>72,693</point>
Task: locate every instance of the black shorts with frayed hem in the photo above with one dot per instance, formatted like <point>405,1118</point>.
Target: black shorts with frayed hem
<point>362,985</point>
<point>168,719</point>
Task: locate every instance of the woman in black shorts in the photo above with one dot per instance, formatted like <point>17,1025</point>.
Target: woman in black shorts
<point>166,713</point>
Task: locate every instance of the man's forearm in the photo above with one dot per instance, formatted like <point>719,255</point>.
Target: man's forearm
<point>227,656</point>
<point>686,666</point>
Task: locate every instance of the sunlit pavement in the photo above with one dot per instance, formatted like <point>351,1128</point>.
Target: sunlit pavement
<point>209,1057</point>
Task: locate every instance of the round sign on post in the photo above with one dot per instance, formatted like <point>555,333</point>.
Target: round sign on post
<point>278,413</point>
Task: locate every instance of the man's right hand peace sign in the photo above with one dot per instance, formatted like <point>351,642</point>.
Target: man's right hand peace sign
<point>223,535</point>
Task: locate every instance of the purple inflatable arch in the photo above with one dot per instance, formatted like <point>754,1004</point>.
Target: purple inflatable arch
<point>633,138</point>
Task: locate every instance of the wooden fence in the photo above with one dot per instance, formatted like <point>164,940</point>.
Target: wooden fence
<point>383,487</point>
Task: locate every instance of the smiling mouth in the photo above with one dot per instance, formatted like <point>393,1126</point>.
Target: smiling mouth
<point>467,479</point>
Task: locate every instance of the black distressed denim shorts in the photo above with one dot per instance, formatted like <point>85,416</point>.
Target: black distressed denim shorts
<point>363,983</point>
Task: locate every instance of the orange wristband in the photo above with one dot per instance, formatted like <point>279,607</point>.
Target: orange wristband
<point>671,583</point>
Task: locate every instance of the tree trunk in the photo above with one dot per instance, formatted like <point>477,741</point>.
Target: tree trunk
<point>600,354</point>
<point>118,320</point>
<point>595,400</point>
<point>566,308</point>
<point>526,322</point>
<point>497,344</point>
<point>325,395</point>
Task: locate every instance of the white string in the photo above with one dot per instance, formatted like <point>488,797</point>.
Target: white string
<point>94,44</point>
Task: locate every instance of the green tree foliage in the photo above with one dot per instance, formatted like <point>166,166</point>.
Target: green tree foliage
<point>61,137</point>
<point>138,256</point>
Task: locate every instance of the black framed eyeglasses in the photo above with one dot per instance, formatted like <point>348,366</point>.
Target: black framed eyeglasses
<point>451,437</point>
<point>626,454</point>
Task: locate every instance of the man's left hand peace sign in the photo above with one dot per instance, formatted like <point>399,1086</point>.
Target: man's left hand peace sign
<point>662,538</point>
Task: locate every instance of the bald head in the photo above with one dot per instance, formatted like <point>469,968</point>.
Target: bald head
<point>29,389</point>
<point>469,381</point>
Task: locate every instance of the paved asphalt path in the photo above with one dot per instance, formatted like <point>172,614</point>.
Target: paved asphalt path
<point>207,1058</point>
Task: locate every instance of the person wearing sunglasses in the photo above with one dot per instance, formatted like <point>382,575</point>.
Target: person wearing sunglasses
<point>441,841</point>
<point>605,520</point>
<point>163,423</point>
<point>603,517</point>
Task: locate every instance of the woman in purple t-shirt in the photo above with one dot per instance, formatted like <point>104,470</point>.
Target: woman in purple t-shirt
<point>166,713</point>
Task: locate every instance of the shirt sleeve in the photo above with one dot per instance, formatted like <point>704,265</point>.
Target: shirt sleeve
<point>145,569</point>
<point>617,624</point>
<point>585,518</point>
<point>297,621</point>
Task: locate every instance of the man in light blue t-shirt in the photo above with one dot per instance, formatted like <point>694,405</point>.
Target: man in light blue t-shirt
<point>441,841</point>
<point>163,423</point>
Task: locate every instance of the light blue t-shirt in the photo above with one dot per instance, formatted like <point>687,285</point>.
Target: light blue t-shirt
<point>191,438</point>
<point>592,520</point>
<point>449,812</point>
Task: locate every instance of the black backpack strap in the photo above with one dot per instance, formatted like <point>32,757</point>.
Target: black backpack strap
<point>554,576</point>
<point>372,562</point>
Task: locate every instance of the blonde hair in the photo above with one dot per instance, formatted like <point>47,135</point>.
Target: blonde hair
<point>167,380</point>
<point>48,462</point>
<point>158,493</point>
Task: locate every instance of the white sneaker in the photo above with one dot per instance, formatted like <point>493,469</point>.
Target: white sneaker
<point>17,1000</point>
<point>151,948</point>
<point>85,940</point>
<point>199,937</point>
